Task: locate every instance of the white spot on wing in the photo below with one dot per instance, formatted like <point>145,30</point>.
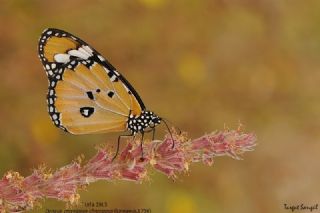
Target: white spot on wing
<point>78,54</point>
<point>86,112</point>
<point>54,116</point>
<point>62,58</point>
<point>113,78</point>
<point>101,58</point>
<point>88,49</point>
<point>81,49</point>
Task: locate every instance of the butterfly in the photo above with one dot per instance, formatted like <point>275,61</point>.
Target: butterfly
<point>86,93</point>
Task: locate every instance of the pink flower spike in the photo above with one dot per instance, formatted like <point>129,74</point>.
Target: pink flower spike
<point>19,194</point>
<point>227,142</point>
<point>133,165</point>
<point>168,159</point>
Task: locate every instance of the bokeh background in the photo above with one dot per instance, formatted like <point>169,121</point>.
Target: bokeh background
<point>202,64</point>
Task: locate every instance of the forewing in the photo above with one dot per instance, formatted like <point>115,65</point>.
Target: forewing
<point>86,93</point>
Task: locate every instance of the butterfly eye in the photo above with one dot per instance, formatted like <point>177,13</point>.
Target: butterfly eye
<point>151,124</point>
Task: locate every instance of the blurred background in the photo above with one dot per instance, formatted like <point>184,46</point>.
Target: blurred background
<point>203,65</point>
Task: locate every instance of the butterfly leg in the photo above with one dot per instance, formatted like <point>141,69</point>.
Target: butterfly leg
<point>141,146</point>
<point>118,144</point>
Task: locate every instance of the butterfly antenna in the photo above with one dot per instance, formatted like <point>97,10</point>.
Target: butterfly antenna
<point>164,121</point>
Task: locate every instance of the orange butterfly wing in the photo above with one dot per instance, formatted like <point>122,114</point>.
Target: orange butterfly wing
<point>86,94</point>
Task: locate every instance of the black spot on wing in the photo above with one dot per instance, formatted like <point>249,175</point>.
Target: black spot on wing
<point>90,95</point>
<point>110,94</point>
<point>86,111</point>
<point>110,74</point>
<point>113,77</point>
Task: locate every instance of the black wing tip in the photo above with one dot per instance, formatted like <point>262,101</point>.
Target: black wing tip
<point>52,29</point>
<point>46,31</point>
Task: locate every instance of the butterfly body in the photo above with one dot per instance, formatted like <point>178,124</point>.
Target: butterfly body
<point>86,93</point>
<point>144,120</point>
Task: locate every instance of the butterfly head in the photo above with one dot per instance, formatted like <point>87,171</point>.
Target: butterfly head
<point>154,120</point>
<point>141,122</point>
